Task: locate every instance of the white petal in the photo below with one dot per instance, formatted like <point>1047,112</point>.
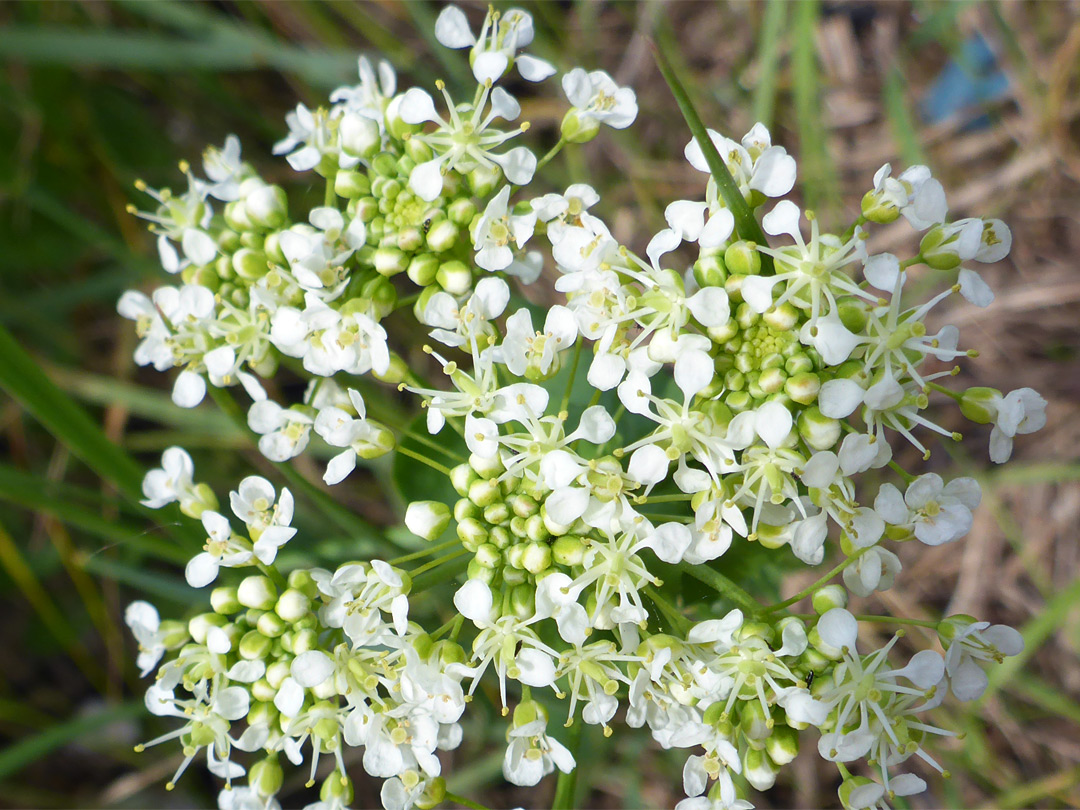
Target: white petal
<point>452,28</point>
<point>189,389</point>
<point>312,668</point>
<point>838,398</point>
<point>474,601</point>
<point>838,629</point>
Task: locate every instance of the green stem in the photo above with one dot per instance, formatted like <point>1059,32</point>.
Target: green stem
<point>416,555</point>
<point>573,376</point>
<point>437,562</point>
<point>746,224</point>
<point>330,197</point>
<point>666,498</point>
<point>908,477</point>
<point>405,451</point>
<point>427,442</point>
<point>722,585</point>
<point>946,391</point>
<point>275,575</point>
<point>453,797</point>
<point>551,153</point>
<point>850,232</point>
<point>566,785</point>
<point>805,592</point>
<point>351,524</point>
<point>866,617</point>
<point>678,622</point>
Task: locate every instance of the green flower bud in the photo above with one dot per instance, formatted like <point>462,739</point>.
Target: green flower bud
<point>742,258</point>
<point>427,519</point>
<point>745,316</point>
<point>536,557</point>
<point>390,261</point>
<point>395,373</point>
<point>803,388</point>
<point>223,600</point>
<point>827,598</point>
<point>483,182</point>
<point>272,249</point>
<point>277,672</point>
<point>876,208</point>
<point>461,211</point>
<point>783,745</point>
<point>576,129</point>
<point>266,776</point>
<point>417,151</point>
<point>480,572</point>
<point>710,271</point>
<point>442,236</point>
<point>454,277</point>
<point>271,625</point>
<point>738,401</point>
<point>852,314</point>
<point>461,477</point>
<point>852,787</point>
<point>471,533</point>
<point>755,723</point>
<point>817,430</point>
<point>236,217</point>
<point>301,580</point>
<point>394,123</point>
<point>484,492</point>
<point>359,136</point>
<point>488,555</point>
<point>292,605</point>
<point>782,318</point>
<point>523,601</point>
<point>253,646</point>
<point>250,264</point>
<point>423,269</point>
<point>758,769</point>
<point>262,691</point>
<point>304,641</point>
<point>351,185</point>
<point>771,380</point>
<point>257,592</point>
<point>568,550</point>
<point>948,628</point>
<point>434,794</point>
<point>733,286</point>
<point>199,626</point>
<point>337,787</point>
<point>980,404</point>
<point>267,207</point>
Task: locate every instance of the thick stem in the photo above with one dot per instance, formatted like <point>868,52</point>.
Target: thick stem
<point>566,785</point>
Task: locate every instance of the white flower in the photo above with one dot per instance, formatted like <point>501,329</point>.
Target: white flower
<point>874,570</point>
<point>221,549</point>
<point>463,324</point>
<point>973,646</point>
<point>370,97</point>
<point>465,142</point>
<point>358,435</point>
<point>597,99</point>
<point>532,754</point>
<point>142,618</point>
<point>225,170</point>
<point>172,481</point>
<point>317,254</point>
<point>284,432</point>
<point>568,209</point>
<point>496,229</point>
<point>501,35</point>
<point>535,355</point>
<point>755,164</point>
<point>935,512</point>
<point>1018,412</point>
<point>311,138</point>
<point>267,521</point>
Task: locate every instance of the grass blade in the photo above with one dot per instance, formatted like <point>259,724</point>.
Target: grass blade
<point>769,60</point>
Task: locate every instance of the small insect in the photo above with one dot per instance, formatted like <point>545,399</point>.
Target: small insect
<point>810,679</point>
<point>426,226</point>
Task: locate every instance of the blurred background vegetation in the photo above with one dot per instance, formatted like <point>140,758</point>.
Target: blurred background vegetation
<point>96,94</point>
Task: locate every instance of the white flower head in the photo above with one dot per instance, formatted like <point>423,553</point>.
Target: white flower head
<point>492,54</point>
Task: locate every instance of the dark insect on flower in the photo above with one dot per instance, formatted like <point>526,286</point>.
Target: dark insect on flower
<point>810,678</point>
<point>426,226</point>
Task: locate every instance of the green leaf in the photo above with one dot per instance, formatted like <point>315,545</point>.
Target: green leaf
<point>30,749</point>
<point>24,380</point>
<point>416,481</point>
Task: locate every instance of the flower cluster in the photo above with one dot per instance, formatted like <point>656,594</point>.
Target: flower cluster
<point>734,397</point>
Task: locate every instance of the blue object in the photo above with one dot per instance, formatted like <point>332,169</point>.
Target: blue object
<point>972,80</point>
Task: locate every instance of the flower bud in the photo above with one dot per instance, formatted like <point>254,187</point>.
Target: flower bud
<point>292,605</point>
<point>454,277</point>
<point>271,625</point>
<point>758,769</point>
<point>877,207</point>
<point>460,477</point>
<point>200,625</point>
<point>568,550</point>
<point>262,691</point>
<point>710,271</point>
<point>756,724</point>
<point>395,125</point>
<point>257,592</point>
<point>265,777</point>
<point>359,135</point>
<point>783,746</point>
<point>819,431</point>
<point>461,211</point>
<point>223,600</point>
<point>577,129</point>
<point>267,207</point>
<point>742,258</point>
<point>472,533</point>
<point>442,236</point>
<point>351,184</point>
<point>427,519</point>
<point>422,269</point>
<point>782,317</point>
<point>480,572</point>
<point>434,794</point>
<point>980,404</point>
<point>771,380</point>
<point>523,601</point>
<point>277,672</point>
<point>304,641</point>
<point>253,646</point>
<point>395,373</point>
<point>827,598</point>
<point>803,388</point>
<point>250,264</point>
<point>390,261</point>
<point>939,249</point>
<point>237,218</point>
<point>483,182</point>
<point>536,558</point>
<point>852,314</point>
